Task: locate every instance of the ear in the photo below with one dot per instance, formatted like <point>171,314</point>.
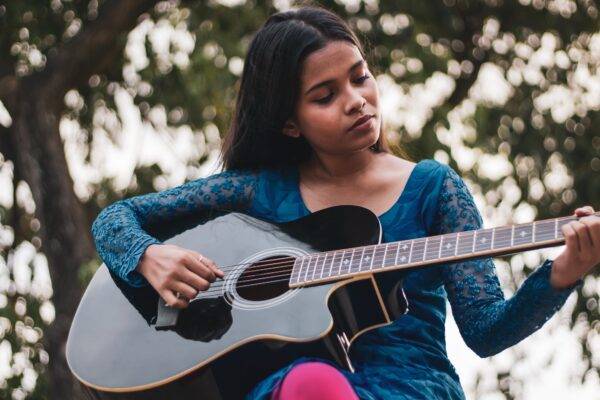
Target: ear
<point>291,129</point>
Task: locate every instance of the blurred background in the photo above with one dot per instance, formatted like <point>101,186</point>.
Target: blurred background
<point>105,99</point>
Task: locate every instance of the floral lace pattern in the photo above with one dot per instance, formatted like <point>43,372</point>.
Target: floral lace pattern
<point>123,230</point>
<point>488,322</point>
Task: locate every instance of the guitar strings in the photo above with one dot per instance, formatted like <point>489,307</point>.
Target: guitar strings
<point>283,263</point>
<point>276,266</point>
<point>276,261</point>
<point>267,279</point>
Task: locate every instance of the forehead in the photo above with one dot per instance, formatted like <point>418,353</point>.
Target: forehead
<point>332,60</point>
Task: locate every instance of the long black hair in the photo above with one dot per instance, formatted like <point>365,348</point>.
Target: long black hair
<point>270,86</point>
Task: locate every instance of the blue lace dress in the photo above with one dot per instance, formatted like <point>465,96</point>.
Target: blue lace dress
<point>404,360</point>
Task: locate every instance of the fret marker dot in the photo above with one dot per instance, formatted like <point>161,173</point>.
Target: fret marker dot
<point>367,258</point>
<point>403,258</point>
<point>483,240</point>
<point>522,233</point>
<point>448,246</point>
<point>404,247</point>
<point>346,261</point>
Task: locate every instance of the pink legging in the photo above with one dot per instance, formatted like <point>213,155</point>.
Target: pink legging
<point>315,381</point>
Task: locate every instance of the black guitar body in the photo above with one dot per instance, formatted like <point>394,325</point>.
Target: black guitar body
<point>224,343</point>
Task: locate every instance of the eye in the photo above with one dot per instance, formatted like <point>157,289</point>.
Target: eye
<point>360,80</point>
<point>325,99</point>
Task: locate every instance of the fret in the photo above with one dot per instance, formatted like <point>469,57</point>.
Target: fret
<point>372,257</point>
<point>512,236</point>
<point>348,261</point>
<point>356,260</point>
<point>377,255</point>
<point>448,245</point>
<point>556,227</point>
<point>314,269</point>
<point>474,241</point>
<point>493,235</point>
<point>361,259</point>
<point>307,268</point>
<point>369,256</point>
<point>331,264</point>
<point>338,256</point>
<point>456,245</point>
<point>390,257</point>
<point>297,270</point>
<point>484,241</point>
<point>323,266</point>
<point>403,255</point>
<point>383,258</point>
<point>562,222</point>
<point>502,237</point>
<point>342,255</point>
<point>417,250</point>
<point>425,249</point>
<point>397,251</point>
<point>431,251</point>
<point>544,230</point>
<point>465,243</point>
<point>523,234</point>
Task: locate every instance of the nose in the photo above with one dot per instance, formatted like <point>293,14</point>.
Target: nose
<point>355,101</point>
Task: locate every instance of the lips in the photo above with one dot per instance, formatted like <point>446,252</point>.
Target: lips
<point>360,121</point>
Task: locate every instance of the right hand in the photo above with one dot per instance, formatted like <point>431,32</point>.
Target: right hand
<point>172,269</point>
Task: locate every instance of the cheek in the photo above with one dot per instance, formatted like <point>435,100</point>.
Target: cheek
<point>373,92</point>
<point>321,119</point>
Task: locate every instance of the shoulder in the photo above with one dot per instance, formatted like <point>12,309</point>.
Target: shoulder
<point>445,196</point>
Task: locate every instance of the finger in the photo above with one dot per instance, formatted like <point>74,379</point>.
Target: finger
<point>211,264</point>
<point>172,301</point>
<point>587,210</point>
<point>570,237</point>
<point>194,280</point>
<point>593,224</point>
<point>583,236</point>
<point>186,290</point>
<point>194,264</point>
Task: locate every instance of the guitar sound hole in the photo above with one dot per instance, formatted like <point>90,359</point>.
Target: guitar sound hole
<point>265,279</point>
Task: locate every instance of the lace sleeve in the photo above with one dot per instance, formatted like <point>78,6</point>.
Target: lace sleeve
<point>123,230</point>
<point>488,323</point>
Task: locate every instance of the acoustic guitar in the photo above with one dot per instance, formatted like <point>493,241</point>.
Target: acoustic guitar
<point>307,287</point>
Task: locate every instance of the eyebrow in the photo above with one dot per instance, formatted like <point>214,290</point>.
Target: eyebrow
<point>324,83</point>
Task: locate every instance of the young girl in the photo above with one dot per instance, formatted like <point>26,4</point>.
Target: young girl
<point>306,136</point>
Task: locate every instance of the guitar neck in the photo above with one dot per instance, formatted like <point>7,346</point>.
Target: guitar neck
<point>448,248</point>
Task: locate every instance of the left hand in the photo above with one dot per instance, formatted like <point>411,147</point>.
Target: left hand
<point>582,250</point>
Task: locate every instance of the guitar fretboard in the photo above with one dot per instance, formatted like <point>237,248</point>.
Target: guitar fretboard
<point>451,247</point>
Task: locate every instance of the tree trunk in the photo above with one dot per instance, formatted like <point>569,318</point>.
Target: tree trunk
<point>35,104</point>
<point>66,240</point>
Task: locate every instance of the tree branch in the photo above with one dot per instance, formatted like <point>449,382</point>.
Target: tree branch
<point>95,48</point>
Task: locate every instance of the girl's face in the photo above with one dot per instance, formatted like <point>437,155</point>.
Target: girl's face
<point>336,90</point>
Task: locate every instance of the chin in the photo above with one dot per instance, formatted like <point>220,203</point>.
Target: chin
<point>367,142</point>
<point>373,138</point>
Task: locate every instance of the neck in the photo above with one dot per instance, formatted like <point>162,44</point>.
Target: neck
<point>417,253</point>
<point>341,167</point>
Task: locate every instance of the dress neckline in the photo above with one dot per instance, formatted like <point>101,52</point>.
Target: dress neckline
<point>404,195</point>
